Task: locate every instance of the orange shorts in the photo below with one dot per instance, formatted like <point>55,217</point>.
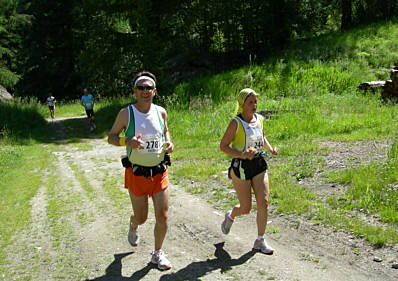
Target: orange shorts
<point>140,186</point>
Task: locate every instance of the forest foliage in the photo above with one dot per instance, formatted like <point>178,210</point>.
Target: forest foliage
<point>64,46</point>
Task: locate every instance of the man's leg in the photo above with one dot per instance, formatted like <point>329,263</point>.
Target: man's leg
<point>92,121</point>
<point>88,117</point>
<point>140,209</point>
<point>161,207</point>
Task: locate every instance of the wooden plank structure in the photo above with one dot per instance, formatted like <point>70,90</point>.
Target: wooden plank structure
<point>389,88</point>
<point>371,85</point>
<point>272,114</point>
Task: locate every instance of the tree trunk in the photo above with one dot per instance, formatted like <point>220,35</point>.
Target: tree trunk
<point>346,14</point>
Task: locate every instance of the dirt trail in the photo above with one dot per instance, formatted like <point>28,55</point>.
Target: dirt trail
<point>80,217</point>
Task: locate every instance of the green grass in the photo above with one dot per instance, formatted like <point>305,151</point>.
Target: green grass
<point>60,208</point>
<point>21,121</point>
<point>64,109</point>
<point>309,257</point>
<point>84,182</point>
<point>273,229</point>
<point>371,188</point>
<point>64,239</point>
<point>112,187</point>
<point>20,173</point>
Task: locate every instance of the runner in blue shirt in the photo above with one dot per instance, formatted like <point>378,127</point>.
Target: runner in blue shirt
<point>87,101</point>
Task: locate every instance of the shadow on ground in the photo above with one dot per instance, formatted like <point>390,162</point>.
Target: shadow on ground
<point>193,271</point>
<point>23,122</point>
<point>69,130</point>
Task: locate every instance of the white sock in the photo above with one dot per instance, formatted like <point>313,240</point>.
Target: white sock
<point>229,216</point>
<point>260,237</point>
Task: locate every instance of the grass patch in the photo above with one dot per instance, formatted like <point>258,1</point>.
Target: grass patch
<point>84,182</point>
<point>65,109</point>
<point>16,175</point>
<point>273,229</point>
<point>114,188</point>
<point>21,121</point>
<point>309,257</point>
<point>371,188</point>
<point>59,210</point>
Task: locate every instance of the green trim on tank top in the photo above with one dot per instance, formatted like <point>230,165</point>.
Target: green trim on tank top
<point>241,133</point>
<point>130,132</point>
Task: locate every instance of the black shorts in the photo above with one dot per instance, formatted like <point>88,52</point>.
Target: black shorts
<point>90,113</point>
<point>51,107</point>
<point>246,169</point>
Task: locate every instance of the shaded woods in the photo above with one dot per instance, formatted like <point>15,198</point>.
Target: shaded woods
<point>64,46</point>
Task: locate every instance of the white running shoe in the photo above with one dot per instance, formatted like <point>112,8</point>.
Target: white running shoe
<point>262,246</point>
<point>159,258</point>
<point>132,236</point>
<point>227,223</point>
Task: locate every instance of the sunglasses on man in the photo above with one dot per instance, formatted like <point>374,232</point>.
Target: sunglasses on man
<point>145,88</point>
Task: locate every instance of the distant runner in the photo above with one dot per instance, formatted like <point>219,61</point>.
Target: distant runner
<point>87,101</point>
<point>51,104</point>
<point>244,140</point>
<point>147,141</point>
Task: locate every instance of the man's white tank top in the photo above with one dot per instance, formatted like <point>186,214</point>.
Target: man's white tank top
<point>150,127</point>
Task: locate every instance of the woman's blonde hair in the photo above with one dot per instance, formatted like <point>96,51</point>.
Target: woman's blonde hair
<point>241,98</point>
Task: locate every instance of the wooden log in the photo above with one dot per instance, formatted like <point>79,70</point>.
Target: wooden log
<point>394,85</point>
<point>371,85</point>
<point>394,74</point>
<point>388,85</point>
<point>390,91</point>
<point>389,88</point>
<point>389,95</point>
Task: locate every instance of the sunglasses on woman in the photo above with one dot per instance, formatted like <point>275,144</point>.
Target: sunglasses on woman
<point>145,88</point>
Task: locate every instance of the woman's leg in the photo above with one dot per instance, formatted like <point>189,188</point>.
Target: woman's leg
<point>261,192</point>
<point>243,191</point>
